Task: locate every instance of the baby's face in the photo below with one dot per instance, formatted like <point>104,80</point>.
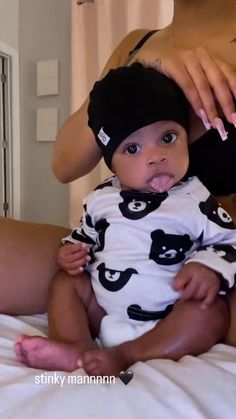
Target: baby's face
<point>154,158</point>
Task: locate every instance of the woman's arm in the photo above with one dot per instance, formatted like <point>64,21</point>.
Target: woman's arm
<point>204,79</point>
<point>76,152</point>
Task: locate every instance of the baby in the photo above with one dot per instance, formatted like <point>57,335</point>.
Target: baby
<point>138,229</point>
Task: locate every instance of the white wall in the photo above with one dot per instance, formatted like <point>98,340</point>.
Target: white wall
<point>38,30</point>
<point>9,23</point>
<point>9,44</point>
<point>44,34</point>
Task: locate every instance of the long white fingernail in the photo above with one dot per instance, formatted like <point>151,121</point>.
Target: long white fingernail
<point>233,116</point>
<point>204,119</point>
<point>221,129</point>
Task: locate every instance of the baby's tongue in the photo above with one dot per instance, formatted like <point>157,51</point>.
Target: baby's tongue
<point>162,182</point>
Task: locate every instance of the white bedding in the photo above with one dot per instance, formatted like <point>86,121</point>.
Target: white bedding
<point>193,388</point>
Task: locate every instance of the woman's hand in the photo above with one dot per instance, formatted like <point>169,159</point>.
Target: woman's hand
<point>206,81</point>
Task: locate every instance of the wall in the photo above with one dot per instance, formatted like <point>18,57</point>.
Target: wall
<point>9,24</point>
<point>9,40</point>
<point>44,34</point>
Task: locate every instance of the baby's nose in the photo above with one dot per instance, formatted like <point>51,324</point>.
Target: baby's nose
<point>157,156</point>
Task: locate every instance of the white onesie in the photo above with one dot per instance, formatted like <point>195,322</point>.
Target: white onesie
<point>140,240</point>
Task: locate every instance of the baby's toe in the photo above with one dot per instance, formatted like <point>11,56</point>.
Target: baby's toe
<point>20,356</point>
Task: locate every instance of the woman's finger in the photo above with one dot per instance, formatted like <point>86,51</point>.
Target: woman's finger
<point>219,83</point>
<point>176,69</point>
<point>230,75</point>
<point>208,83</point>
<point>202,84</point>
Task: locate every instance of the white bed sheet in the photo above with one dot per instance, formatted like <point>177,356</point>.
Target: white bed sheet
<point>193,388</point>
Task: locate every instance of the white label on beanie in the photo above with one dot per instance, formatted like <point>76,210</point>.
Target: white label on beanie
<point>103,137</point>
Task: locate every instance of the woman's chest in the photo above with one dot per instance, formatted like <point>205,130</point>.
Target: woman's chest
<point>160,46</point>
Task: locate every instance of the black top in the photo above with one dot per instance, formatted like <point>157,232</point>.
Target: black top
<point>214,160</point>
<point>211,159</point>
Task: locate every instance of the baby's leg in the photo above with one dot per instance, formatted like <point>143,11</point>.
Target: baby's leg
<point>72,313</point>
<point>187,330</point>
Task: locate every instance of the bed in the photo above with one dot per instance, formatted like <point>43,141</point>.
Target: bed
<point>195,387</point>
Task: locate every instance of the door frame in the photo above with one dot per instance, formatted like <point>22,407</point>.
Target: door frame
<point>14,128</point>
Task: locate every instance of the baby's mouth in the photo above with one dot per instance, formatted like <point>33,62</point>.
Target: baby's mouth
<point>162,182</point>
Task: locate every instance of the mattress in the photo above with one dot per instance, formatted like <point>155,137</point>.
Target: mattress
<point>194,387</point>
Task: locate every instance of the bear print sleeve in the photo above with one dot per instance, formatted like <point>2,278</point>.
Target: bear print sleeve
<point>85,232</point>
<point>218,245</point>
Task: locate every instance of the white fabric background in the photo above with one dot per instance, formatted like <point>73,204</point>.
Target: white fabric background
<point>202,387</point>
<point>97,28</point>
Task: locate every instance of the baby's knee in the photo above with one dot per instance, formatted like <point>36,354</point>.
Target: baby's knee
<point>80,284</point>
<point>217,320</point>
<point>211,323</point>
<point>63,277</point>
<point>230,338</point>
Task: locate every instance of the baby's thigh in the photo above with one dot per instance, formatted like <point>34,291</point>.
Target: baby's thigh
<point>230,338</point>
<point>94,310</point>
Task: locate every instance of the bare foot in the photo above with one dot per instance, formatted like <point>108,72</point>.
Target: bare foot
<point>106,361</point>
<point>43,353</point>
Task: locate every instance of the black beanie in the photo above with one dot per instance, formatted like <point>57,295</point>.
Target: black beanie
<point>129,98</point>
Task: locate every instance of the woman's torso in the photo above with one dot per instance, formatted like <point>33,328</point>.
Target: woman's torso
<point>211,159</point>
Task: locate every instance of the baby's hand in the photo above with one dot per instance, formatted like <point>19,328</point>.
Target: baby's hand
<point>197,281</point>
<point>73,258</point>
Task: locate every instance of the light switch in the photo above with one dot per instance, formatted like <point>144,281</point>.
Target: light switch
<point>47,78</point>
<point>47,124</point>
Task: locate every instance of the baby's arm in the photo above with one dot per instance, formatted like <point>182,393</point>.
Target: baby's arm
<point>76,252</point>
<point>211,269</point>
<point>73,258</point>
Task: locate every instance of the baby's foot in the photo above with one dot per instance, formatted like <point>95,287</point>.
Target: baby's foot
<point>43,353</point>
<point>107,361</point>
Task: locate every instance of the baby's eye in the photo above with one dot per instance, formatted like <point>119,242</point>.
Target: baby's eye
<point>168,138</point>
<point>132,149</point>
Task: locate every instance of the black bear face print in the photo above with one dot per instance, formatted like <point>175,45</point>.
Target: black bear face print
<point>137,205</point>
<point>169,249</point>
<point>101,227</point>
<point>225,251</point>
<point>215,213</point>
<point>113,280</point>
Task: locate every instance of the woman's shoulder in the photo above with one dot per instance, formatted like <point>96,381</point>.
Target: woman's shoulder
<point>121,53</point>
<point>132,40</point>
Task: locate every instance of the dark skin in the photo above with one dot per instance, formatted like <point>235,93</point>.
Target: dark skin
<point>74,313</point>
<point>202,63</point>
<point>75,318</point>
